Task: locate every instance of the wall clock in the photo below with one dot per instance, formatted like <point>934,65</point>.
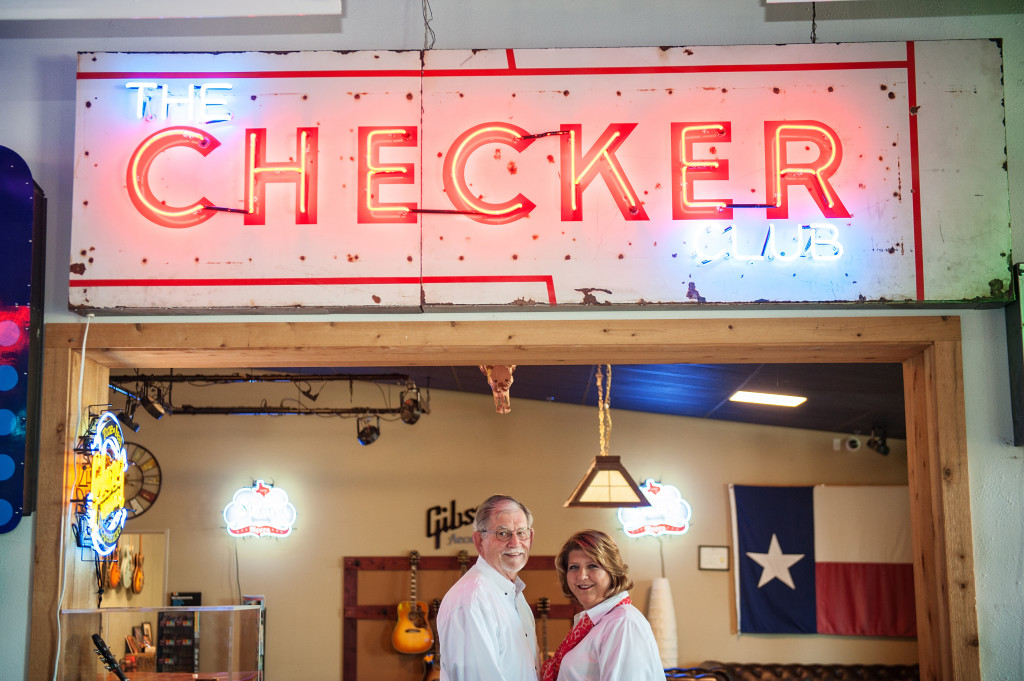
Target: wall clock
<point>141,480</point>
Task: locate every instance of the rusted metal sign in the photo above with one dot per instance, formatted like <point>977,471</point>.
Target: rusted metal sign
<point>785,175</point>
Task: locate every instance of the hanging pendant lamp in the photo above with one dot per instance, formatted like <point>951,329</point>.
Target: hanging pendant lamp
<point>607,484</point>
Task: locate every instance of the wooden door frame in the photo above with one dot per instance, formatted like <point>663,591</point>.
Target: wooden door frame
<point>929,349</point>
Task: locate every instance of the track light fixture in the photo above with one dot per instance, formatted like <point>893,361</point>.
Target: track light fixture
<point>367,430</point>
<point>127,416</point>
<point>877,441</point>
<point>155,408</point>
<point>412,406</point>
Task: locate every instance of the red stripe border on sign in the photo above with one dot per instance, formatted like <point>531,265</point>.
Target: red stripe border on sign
<point>510,70</point>
<point>915,170</point>
<point>546,279</point>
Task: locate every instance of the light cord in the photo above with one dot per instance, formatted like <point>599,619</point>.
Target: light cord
<point>64,485</point>
<point>604,416</point>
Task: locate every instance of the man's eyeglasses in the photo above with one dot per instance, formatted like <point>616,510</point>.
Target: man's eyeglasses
<point>503,534</point>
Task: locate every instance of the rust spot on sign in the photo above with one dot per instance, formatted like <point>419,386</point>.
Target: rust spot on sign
<point>590,299</point>
<point>78,268</point>
<point>512,169</point>
<point>693,294</point>
<point>376,299</point>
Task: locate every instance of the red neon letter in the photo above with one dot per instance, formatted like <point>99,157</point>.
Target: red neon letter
<point>142,196</point>
<point>686,170</point>
<point>578,170</point>
<point>372,174</point>
<point>454,174</point>
<point>301,171</point>
<point>814,176</point>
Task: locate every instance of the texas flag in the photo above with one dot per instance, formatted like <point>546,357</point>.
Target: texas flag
<point>823,560</point>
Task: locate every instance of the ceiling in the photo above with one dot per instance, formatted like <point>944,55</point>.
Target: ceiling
<point>841,398</point>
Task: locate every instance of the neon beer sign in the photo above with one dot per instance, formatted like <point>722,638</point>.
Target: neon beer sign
<point>101,513</point>
<point>261,510</point>
<point>668,513</point>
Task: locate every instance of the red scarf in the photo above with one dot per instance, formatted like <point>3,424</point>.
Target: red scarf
<point>581,629</point>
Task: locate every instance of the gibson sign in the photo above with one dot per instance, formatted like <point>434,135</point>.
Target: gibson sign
<point>647,176</point>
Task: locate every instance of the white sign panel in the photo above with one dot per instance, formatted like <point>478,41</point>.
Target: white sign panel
<point>680,176</point>
<point>147,9</point>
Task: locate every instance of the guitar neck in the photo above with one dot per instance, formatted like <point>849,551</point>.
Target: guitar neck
<point>109,661</point>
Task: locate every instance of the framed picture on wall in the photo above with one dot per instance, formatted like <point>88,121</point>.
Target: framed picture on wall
<point>713,557</point>
<point>147,633</point>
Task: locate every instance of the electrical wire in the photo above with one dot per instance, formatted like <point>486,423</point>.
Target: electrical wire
<point>428,33</point>
<point>238,578</point>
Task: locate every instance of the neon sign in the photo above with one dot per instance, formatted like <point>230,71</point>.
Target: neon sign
<point>816,241</point>
<point>202,103</point>
<point>101,512</point>
<point>656,176</point>
<point>668,513</point>
<point>601,160</point>
<point>259,511</point>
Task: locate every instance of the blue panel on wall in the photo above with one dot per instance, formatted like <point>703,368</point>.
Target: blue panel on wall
<point>17,213</point>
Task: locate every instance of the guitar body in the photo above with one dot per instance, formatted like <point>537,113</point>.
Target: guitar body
<point>114,578</point>
<point>431,668</point>
<point>137,576</point>
<point>411,634</point>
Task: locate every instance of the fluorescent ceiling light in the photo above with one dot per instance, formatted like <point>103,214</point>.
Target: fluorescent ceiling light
<point>767,398</point>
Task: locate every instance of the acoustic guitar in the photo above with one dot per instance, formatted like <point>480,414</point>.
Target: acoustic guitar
<point>109,661</point>
<point>114,575</point>
<point>411,633</point>
<point>137,576</point>
<point>543,607</point>
<point>432,660</point>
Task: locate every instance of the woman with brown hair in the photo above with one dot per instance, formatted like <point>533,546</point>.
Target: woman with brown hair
<point>610,639</point>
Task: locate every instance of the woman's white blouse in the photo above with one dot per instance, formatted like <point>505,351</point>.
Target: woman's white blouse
<point>620,647</point>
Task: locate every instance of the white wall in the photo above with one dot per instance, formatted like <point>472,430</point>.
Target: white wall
<point>37,80</point>
<point>372,501</point>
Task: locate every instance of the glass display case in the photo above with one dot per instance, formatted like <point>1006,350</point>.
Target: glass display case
<point>164,644</point>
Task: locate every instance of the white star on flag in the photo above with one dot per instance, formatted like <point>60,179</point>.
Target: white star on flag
<point>776,564</point>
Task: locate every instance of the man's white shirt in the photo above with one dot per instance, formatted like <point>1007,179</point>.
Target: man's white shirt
<point>486,629</point>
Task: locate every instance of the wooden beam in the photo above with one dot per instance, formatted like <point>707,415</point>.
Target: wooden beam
<point>928,347</point>
<point>56,575</point>
<point>947,627</point>
<point>541,342</point>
